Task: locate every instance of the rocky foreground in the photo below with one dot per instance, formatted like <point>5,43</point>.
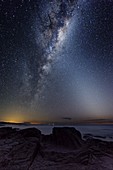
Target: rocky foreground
<point>64,149</point>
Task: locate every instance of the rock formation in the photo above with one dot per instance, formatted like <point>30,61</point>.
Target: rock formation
<point>63,149</point>
<point>67,137</point>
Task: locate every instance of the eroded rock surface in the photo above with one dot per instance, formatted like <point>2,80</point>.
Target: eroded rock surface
<point>63,149</point>
<point>18,151</point>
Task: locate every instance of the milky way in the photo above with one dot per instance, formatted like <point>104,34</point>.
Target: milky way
<point>56,59</point>
<point>53,38</point>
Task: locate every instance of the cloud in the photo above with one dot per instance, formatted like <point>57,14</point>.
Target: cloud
<point>66,118</point>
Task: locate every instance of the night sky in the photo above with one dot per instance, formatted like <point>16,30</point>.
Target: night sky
<point>56,60</point>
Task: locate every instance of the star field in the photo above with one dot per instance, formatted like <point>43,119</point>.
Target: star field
<point>56,59</point>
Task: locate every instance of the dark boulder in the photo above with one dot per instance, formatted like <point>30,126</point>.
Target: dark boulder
<point>5,132</point>
<point>68,137</point>
<point>30,132</point>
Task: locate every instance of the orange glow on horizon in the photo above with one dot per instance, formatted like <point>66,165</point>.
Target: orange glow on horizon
<point>12,121</point>
<point>36,122</point>
<point>13,116</point>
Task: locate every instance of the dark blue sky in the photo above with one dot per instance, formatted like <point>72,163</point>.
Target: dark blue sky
<point>56,60</point>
